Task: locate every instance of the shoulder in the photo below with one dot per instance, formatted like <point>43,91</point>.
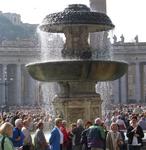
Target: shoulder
<point>14,129</point>
<point>7,139</point>
<point>54,130</point>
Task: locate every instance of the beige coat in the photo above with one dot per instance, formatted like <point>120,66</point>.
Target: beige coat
<point>112,140</point>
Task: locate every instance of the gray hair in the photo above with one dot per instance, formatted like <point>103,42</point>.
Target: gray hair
<point>80,122</point>
<point>98,121</point>
<point>18,122</point>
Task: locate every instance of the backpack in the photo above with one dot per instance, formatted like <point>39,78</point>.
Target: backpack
<point>2,140</point>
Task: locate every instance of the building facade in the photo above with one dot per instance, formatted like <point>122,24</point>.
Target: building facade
<point>16,86</point>
<point>131,88</point>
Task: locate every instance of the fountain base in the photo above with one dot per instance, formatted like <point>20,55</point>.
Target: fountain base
<point>73,108</point>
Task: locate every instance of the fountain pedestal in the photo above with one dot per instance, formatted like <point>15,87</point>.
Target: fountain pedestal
<point>77,100</point>
<point>73,108</point>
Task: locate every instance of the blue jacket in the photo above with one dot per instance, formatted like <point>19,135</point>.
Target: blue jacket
<point>17,133</point>
<point>54,140</point>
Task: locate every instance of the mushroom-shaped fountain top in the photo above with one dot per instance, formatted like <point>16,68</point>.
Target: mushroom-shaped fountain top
<point>76,15</point>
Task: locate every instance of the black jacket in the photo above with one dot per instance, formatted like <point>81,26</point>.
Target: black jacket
<point>130,134</point>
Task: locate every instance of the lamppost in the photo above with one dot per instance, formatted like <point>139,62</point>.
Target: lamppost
<point>5,81</point>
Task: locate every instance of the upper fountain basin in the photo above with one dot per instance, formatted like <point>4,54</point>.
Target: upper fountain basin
<point>76,15</point>
<point>77,70</point>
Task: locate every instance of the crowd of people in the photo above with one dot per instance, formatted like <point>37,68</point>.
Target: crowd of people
<point>121,128</point>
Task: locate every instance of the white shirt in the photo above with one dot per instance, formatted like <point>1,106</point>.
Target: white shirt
<point>61,136</point>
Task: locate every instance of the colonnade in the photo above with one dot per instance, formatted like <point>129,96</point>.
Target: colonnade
<point>131,87</point>
<point>16,86</point>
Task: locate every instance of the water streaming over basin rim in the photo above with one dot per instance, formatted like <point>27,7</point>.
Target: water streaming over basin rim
<point>76,15</point>
<point>77,70</point>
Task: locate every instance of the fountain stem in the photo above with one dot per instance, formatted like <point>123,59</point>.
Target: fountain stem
<point>76,45</point>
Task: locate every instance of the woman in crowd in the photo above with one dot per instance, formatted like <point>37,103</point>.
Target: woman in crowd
<point>113,139</point>
<point>6,131</point>
<point>40,142</point>
<point>134,134</point>
<point>27,140</point>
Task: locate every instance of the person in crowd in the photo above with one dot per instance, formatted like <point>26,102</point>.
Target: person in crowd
<point>142,122</point>
<point>71,137</point>
<point>6,132</point>
<point>107,120</point>
<point>65,135</point>
<point>134,134</point>
<point>18,136</point>
<point>40,142</point>
<point>96,136</point>
<point>123,145</point>
<point>14,117</point>
<point>27,140</point>
<point>121,123</point>
<point>56,137</point>
<point>113,138</point>
<point>77,135</point>
<point>84,136</point>
<point>138,110</point>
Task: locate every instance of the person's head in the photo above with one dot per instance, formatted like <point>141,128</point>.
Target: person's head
<point>6,129</point>
<point>88,124</point>
<point>18,123</point>
<point>119,117</point>
<point>133,120</point>
<point>80,122</point>
<point>64,123</point>
<point>98,121</point>
<point>40,125</point>
<point>58,122</point>
<point>26,123</point>
<point>73,125</point>
<point>114,127</point>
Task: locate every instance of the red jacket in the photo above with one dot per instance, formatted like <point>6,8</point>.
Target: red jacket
<point>65,135</point>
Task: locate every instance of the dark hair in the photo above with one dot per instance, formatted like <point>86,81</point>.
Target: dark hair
<point>134,117</point>
<point>88,123</point>
<point>39,125</point>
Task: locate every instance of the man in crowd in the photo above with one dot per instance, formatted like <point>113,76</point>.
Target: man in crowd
<point>56,137</point>
<point>96,136</point>
<point>77,132</point>
<point>18,136</point>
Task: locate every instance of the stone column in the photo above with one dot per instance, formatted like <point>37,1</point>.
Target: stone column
<point>19,84</point>
<point>96,39</point>
<point>124,89</point>
<point>138,82</point>
<point>115,88</point>
<point>4,76</point>
<point>98,5</point>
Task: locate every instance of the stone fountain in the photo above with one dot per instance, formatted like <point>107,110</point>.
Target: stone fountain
<point>78,71</point>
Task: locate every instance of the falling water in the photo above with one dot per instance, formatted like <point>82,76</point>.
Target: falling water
<point>105,91</point>
<point>51,46</point>
<point>104,52</point>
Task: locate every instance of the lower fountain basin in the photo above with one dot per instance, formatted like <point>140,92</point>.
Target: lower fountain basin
<point>77,70</point>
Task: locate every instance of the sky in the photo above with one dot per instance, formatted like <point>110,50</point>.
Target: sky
<point>128,16</point>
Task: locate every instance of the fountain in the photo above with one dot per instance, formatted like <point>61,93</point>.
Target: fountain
<point>78,71</point>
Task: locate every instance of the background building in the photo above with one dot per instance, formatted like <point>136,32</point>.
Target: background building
<point>131,88</point>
